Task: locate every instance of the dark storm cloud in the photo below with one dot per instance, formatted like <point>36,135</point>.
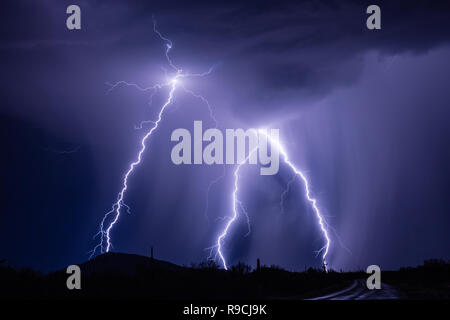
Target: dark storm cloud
<point>264,36</point>
<point>309,67</point>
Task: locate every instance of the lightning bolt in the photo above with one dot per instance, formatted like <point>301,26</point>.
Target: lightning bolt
<point>119,202</point>
<point>237,203</point>
<point>173,83</point>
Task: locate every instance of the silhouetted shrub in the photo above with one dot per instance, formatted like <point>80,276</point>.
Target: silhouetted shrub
<point>241,268</point>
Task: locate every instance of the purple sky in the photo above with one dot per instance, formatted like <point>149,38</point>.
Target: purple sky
<point>363,113</point>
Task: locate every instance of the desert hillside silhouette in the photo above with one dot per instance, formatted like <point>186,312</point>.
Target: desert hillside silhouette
<point>120,275</point>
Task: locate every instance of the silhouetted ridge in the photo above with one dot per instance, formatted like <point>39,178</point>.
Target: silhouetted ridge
<point>123,263</point>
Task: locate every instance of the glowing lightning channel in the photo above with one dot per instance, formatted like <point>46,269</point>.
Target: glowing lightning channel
<point>236,203</point>
<point>298,173</point>
<point>173,83</point>
<point>134,164</point>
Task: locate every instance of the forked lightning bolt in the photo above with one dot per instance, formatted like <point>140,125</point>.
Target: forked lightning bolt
<point>237,202</point>
<point>172,84</point>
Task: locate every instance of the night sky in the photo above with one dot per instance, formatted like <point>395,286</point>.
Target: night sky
<point>364,113</point>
